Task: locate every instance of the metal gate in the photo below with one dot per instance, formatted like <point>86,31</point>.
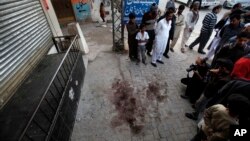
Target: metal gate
<point>25,37</point>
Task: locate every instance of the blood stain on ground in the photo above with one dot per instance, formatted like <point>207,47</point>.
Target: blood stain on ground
<point>130,105</point>
<point>154,91</point>
<point>127,106</point>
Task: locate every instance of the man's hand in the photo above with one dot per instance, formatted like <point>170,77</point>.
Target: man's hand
<point>215,71</point>
<point>197,73</point>
<point>247,14</point>
<point>199,61</point>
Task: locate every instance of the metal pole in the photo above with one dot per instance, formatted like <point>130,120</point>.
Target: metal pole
<point>118,27</point>
<point>122,25</point>
<point>113,23</point>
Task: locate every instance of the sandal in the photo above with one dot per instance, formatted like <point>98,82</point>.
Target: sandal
<point>182,50</point>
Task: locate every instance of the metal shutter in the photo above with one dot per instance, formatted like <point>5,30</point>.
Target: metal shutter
<point>25,37</point>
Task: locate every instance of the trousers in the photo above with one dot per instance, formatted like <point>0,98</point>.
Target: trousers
<point>201,40</point>
<point>141,52</point>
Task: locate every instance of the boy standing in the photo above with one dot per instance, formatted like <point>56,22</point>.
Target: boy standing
<point>132,31</point>
<point>142,38</point>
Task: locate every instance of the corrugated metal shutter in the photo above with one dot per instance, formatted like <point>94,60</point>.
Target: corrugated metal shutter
<point>24,35</point>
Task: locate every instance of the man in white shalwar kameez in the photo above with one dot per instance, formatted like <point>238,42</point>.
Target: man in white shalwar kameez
<point>161,38</point>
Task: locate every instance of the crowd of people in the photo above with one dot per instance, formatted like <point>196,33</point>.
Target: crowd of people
<point>219,92</point>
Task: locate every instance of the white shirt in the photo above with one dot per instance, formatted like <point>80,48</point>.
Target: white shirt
<point>141,37</point>
<point>162,29</point>
<point>189,23</point>
<point>179,20</point>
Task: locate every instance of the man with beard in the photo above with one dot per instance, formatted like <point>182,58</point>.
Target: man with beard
<point>171,32</point>
<point>161,38</point>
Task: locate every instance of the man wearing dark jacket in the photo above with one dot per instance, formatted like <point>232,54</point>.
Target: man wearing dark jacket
<point>239,86</point>
<point>218,78</point>
<point>234,51</point>
<point>197,83</point>
<point>230,30</point>
<point>149,19</point>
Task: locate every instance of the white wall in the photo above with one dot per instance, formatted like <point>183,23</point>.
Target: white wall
<point>162,5</point>
<point>95,15</point>
<point>51,18</point>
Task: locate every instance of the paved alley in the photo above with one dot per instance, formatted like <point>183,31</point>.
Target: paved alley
<point>122,101</point>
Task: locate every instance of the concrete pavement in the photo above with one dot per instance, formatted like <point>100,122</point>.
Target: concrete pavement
<point>122,101</point>
<point>148,107</point>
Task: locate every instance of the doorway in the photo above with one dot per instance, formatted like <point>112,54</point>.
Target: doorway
<point>64,11</point>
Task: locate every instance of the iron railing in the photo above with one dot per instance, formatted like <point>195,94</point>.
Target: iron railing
<point>42,123</point>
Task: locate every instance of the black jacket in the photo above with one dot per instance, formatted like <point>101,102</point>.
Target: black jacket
<point>238,86</point>
<point>231,52</point>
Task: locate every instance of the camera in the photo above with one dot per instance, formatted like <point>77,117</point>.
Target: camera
<point>191,68</point>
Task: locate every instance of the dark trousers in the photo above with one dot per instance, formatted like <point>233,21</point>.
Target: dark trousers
<point>199,136</point>
<point>167,47</point>
<point>132,43</point>
<point>149,45</point>
<point>201,40</point>
<point>200,107</point>
<point>194,89</point>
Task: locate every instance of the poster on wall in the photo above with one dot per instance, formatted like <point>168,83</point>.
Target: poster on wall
<point>81,9</point>
<point>138,7</point>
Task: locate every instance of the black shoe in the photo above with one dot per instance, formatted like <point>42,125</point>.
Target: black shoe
<point>165,55</point>
<point>131,59</point>
<point>144,62</point>
<point>148,53</point>
<point>201,52</point>
<point>159,61</point>
<point>191,48</point>
<point>171,49</point>
<point>153,64</point>
<point>193,106</point>
<point>184,96</point>
<point>185,81</point>
<point>191,116</point>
